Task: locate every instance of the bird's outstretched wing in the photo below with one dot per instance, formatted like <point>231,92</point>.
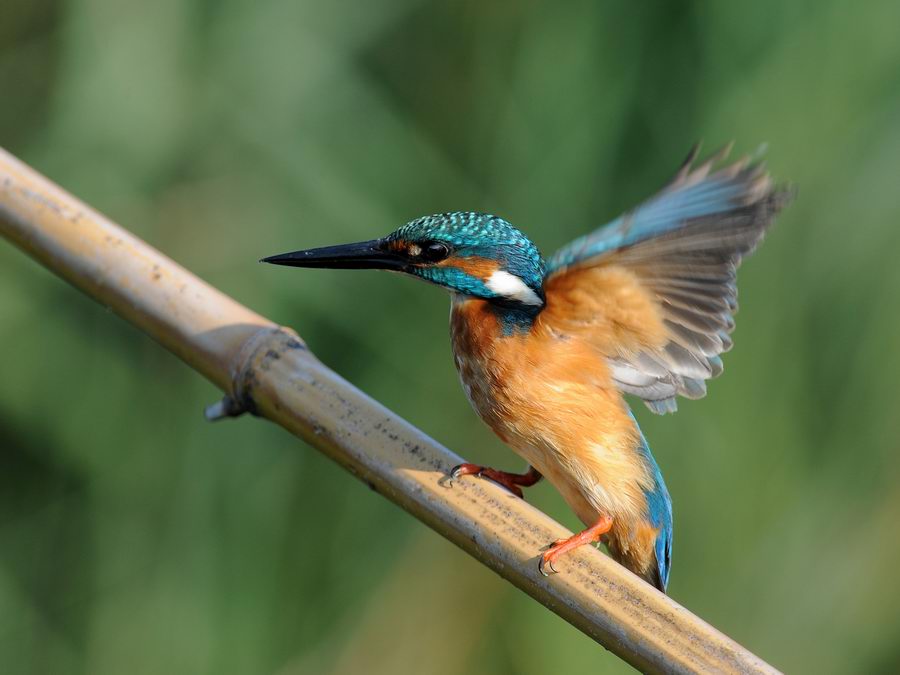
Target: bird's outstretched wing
<point>654,290</point>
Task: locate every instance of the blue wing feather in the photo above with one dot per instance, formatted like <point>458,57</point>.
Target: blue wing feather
<point>692,195</point>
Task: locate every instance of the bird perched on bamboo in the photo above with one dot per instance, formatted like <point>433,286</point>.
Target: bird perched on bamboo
<point>546,349</point>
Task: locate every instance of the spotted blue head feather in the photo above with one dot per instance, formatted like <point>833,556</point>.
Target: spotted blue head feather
<point>471,237</point>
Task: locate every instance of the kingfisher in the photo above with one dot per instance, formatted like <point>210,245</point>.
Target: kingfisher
<point>546,348</point>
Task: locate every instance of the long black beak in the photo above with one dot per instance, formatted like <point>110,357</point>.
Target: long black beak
<point>365,255</point>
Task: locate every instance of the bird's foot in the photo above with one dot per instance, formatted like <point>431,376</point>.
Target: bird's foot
<point>561,546</point>
<point>514,482</point>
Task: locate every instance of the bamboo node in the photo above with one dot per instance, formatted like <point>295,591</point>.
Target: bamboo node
<point>270,341</point>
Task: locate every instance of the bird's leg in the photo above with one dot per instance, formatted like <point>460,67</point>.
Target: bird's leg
<point>511,481</point>
<point>588,536</point>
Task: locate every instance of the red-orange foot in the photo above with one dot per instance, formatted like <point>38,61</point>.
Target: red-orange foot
<point>511,481</point>
<point>561,546</point>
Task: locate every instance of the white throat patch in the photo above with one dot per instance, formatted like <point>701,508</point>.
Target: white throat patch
<point>512,287</point>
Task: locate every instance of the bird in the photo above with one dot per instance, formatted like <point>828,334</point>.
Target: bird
<point>546,349</point>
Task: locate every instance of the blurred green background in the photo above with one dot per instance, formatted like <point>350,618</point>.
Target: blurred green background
<point>136,538</point>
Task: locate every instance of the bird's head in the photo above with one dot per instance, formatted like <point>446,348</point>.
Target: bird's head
<point>473,254</point>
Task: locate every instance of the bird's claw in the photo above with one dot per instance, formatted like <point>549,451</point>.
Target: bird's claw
<point>543,563</point>
<point>559,547</point>
<point>546,559</point>
<point>466,469</point>
<point>501,478</point>
<point>460,470</point>
<point>456,473</point>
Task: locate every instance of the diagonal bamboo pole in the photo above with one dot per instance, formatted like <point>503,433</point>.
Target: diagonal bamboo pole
<point>268,370</point>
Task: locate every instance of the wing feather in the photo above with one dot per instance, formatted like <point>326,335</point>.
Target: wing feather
<point>656,290</point>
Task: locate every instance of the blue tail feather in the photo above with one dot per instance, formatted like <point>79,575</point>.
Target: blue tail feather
<point>659,511</point>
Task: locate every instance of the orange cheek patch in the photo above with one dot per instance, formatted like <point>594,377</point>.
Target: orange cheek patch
<point>480,268</point>
<point>398,246</point>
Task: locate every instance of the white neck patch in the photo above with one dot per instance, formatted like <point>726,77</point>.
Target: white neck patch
<point>512,287</point>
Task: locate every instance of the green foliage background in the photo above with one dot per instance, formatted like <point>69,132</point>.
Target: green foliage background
<point>136,538</point>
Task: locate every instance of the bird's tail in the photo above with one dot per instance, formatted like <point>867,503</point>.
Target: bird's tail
<point>659,513</point>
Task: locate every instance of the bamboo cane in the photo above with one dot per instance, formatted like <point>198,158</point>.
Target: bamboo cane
<point>268,370</point>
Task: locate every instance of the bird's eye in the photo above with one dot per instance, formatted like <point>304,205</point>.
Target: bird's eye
<point>431,251</point>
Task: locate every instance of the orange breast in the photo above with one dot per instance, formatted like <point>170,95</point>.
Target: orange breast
<point>549,397</point>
